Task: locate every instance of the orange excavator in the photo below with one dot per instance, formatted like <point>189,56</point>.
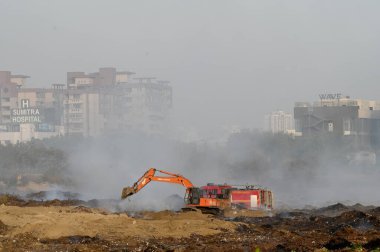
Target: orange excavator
<point>149,176</point>
<point>194,197</point>
<point>210,198</point>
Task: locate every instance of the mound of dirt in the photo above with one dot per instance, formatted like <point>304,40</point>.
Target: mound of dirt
<point>334,207</point>
<point>358,220</point>
<point>344,230</point>
<point>375,211</point>
<point>360,207</point>
<point>332,210</point>
<point>54,202</point>
<point>46,195</point>
<point>11,200</point>
<point>54,222</point>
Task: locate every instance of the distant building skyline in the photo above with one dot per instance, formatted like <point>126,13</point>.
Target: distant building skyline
<point>88,105</point>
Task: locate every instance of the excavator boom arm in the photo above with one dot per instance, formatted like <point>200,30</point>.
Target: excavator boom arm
<point>149,176</point>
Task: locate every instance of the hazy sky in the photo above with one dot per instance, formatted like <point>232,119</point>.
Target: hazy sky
<point>230,62</point>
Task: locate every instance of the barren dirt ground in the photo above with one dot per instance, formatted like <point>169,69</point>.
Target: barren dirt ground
<point>64,226</point>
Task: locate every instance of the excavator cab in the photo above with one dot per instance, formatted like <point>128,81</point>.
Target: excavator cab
<point>192,196</point>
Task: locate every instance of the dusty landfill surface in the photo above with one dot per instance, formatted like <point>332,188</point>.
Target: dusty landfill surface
<point>72,225</point>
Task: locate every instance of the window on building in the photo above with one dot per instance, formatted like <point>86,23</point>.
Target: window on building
<point>76,125</point>
<point>298,125</point>
<point>330,126</point>
<point>347,125</point>
<point>40,95</point>
<point>75,115</point>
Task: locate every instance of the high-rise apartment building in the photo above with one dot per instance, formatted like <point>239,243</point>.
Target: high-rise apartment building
<point>9,85</point>
<point>279,122</point>
<point>111,101</point>
<point>27,113</point>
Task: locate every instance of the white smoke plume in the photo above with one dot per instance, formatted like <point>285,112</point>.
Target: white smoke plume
<point>299,172</point>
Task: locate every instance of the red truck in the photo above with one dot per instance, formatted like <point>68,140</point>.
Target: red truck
<point>242,196</point>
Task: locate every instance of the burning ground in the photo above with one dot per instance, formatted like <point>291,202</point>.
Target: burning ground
<point>61,225</point>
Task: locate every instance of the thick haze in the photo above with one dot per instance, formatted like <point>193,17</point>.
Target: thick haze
<point>230,62</point>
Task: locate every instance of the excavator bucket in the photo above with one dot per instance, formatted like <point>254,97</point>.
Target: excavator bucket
<point>127,191</point>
